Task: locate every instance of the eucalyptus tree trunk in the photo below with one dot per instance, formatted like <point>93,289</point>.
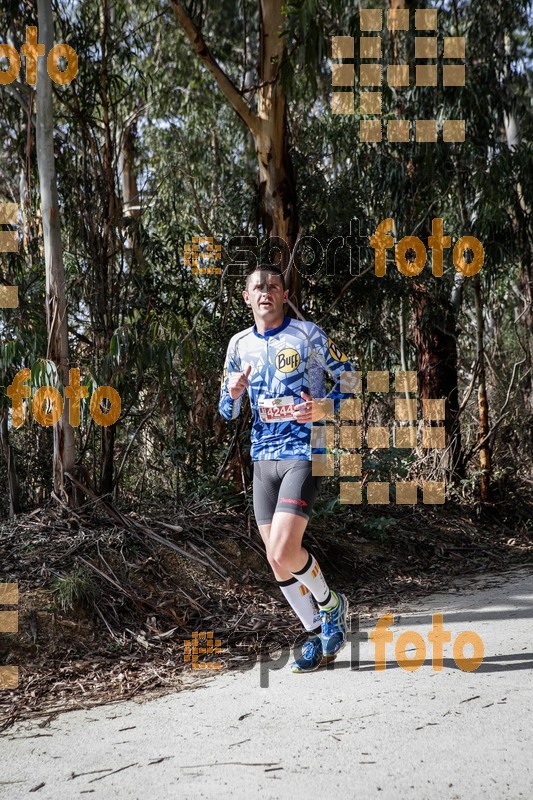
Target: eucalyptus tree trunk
<point>9,455</point>
<point>130,190</point>
<point>276,178</point>
<point>435,312</point>
<point>107,294</point>
<point>436,346</point>
<point>403,324</point>
<point>268,126</point>
<point>56,304</point>
<point>402,319</point>
<point>483,403</point>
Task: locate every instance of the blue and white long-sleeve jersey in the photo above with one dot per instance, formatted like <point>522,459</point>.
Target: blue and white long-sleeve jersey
<point>285,361</point>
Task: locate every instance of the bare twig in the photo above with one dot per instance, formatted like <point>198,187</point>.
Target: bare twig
<point>130,443</point>
<point>343,291</point>
<point>502,416</point>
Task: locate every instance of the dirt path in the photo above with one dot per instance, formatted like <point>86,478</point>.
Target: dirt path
<point>356,732</point>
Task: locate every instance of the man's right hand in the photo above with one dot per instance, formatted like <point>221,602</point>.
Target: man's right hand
<point>237,383</point>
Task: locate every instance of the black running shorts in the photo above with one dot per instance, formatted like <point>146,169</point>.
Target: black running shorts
<point>284,485</point>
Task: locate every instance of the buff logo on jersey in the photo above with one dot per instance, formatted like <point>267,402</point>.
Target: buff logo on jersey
<point>287,360</point>
<point>335,353</point>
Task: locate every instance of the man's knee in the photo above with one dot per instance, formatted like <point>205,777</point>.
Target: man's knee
<point>274,563</point>
<point>283,549</point>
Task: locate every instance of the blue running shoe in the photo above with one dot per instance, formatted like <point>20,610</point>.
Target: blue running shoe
<point>311,657</point>
<point>334,635</point>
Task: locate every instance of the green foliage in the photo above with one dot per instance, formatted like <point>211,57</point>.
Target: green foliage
<point>327,508</point>
<point>77,589</point>
<point>378,527</point>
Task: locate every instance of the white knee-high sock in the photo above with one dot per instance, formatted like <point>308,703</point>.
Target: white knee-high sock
<point>301,601</point>
<point>312,576</point>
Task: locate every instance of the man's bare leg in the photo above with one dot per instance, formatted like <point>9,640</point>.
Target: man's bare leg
<point>296,594</point>
<point>287,556</point>
<point>285,543</point>
<point>286,539</point>
<point>279,573</point>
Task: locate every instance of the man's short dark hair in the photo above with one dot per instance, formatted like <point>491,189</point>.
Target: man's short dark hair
<point>271,269</point>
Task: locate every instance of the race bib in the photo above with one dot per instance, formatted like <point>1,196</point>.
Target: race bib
<point>275,409</point>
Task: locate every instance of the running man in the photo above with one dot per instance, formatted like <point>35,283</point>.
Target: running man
<point>279,361</point>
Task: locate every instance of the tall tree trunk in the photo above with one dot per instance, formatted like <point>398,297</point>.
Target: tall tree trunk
<point>130,191</point>
<point>436,346</point>
<point>107,299</point>
<point>107,460</point>
<point>402,317</point>
<point>14,502</point>
<point>483,403</point>
<point>268,127</point>
<point>56,305</point>
<point>435,314</point>
<point>276,176</point>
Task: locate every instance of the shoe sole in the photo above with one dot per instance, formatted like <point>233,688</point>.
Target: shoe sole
<point>311,669</point>
<point>325,661</point>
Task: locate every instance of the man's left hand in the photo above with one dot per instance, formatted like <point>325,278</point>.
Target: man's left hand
<point>308,411</point>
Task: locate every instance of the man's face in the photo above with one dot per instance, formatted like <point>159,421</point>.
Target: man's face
<point>265,295</point>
